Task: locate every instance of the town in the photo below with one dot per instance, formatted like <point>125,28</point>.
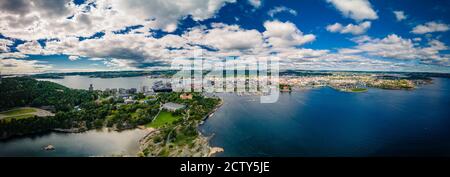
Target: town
<point>256,85</point>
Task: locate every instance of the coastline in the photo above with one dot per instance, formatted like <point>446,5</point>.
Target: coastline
<point>212,150</point>
<point>200,146</point>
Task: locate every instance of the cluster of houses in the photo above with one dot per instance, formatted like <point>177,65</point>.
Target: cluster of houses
<point>120,91</point>
<point>175,106</point>
<point>128,95</point>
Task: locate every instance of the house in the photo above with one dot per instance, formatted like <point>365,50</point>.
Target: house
<point>173,106</point>
<point>186,96</point>
<point>91,88</point>
<point>129,101</point>
<point>159,86</point>
<point>149,94</point>
<point>77,108</point>
<point>285,89</point>
<point>144,89</point>
<point>132,90</point>
<point>124,96</point>
<point>150,100</point>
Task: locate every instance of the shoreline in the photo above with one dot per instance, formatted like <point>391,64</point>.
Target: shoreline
<point>201,142</point>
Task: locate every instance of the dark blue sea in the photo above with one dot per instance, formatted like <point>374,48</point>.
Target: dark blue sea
<point>315,122</point>
<point>326,122</point>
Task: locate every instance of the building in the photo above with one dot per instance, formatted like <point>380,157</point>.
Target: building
<point>129,101</point>
<point>186,96</point>
<point>132,90</point>
<point>149,94</point>
<point>91,88</point>
<point>149,100</point>
<point>173,106</point>
<point>161,87</point>
<point>122,91</point>
<point>144,89</point>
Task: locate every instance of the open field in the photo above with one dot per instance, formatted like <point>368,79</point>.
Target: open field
<point>24,112</point>
<point>164,118</point>
<point>18,111</point>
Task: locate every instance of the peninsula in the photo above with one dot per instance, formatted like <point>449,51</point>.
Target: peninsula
<point>30,106</point>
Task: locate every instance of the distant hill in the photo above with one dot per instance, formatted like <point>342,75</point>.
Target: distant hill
<point>25,91</point>
<point>105,74</point>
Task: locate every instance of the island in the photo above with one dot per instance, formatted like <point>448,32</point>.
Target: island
<point>107,74</point>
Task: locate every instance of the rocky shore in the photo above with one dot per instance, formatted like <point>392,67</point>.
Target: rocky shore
<point>198,147</point>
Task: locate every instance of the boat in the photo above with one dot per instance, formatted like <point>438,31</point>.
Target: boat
<point>49,147</point>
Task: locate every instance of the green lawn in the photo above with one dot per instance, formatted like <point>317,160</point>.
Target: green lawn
<point>24,116</point>
<point>18,111</point>
<point>164,118</point>
<point>359,90</point>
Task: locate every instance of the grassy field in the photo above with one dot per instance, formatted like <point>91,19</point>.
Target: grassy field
<point>23,113</point>
<point>18,111</point>
<point>24,116</point>
<point>164,118</point>
<point>359,90</point>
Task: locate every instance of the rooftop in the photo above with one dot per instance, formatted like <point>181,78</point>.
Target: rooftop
<point>173,106</point>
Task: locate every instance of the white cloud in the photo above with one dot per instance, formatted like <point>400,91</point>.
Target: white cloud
<point>350,28</point>
<point>396,47</point>
<point>356,9</point>
<point>141,51</point>
<point>333,61</point>
<point>12,66</point>
<point>279,9</point>
<point>4,45</point>
<point>334,27</point>
<point>31,48</point>
<point>255,3</point>
<point>44,19</point>
<point>400,15</point>
<point>138,49</point>
<point>430,27</point>
<point>12,55</point>
<point>300,53</point>
<point>96,59</point>
<point>227,37</point>
<point>279,34</point>
<point>73,58</point>
<point>120,64</point>
<point>167,13</point>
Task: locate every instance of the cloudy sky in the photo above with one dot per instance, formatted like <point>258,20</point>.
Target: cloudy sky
<point>93,35</point>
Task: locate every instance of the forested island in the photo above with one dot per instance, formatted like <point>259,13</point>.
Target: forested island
<point>106,74</point>
<point>174,132</point>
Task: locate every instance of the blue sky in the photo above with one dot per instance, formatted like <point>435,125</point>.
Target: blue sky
<point>92,35</point>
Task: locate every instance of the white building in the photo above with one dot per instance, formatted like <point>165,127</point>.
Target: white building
<point>173,106</point>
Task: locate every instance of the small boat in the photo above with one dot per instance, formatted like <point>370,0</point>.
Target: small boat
<point>49,148</point>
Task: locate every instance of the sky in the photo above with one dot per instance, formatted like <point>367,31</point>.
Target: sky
<point>100,35</point>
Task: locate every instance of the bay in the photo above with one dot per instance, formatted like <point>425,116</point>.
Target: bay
<point>311,122</point>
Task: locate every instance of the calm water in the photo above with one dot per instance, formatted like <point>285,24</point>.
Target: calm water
<point>316,122</point>
<point>82,82</point>
<point>90,143</point>
<point>325,122</point>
